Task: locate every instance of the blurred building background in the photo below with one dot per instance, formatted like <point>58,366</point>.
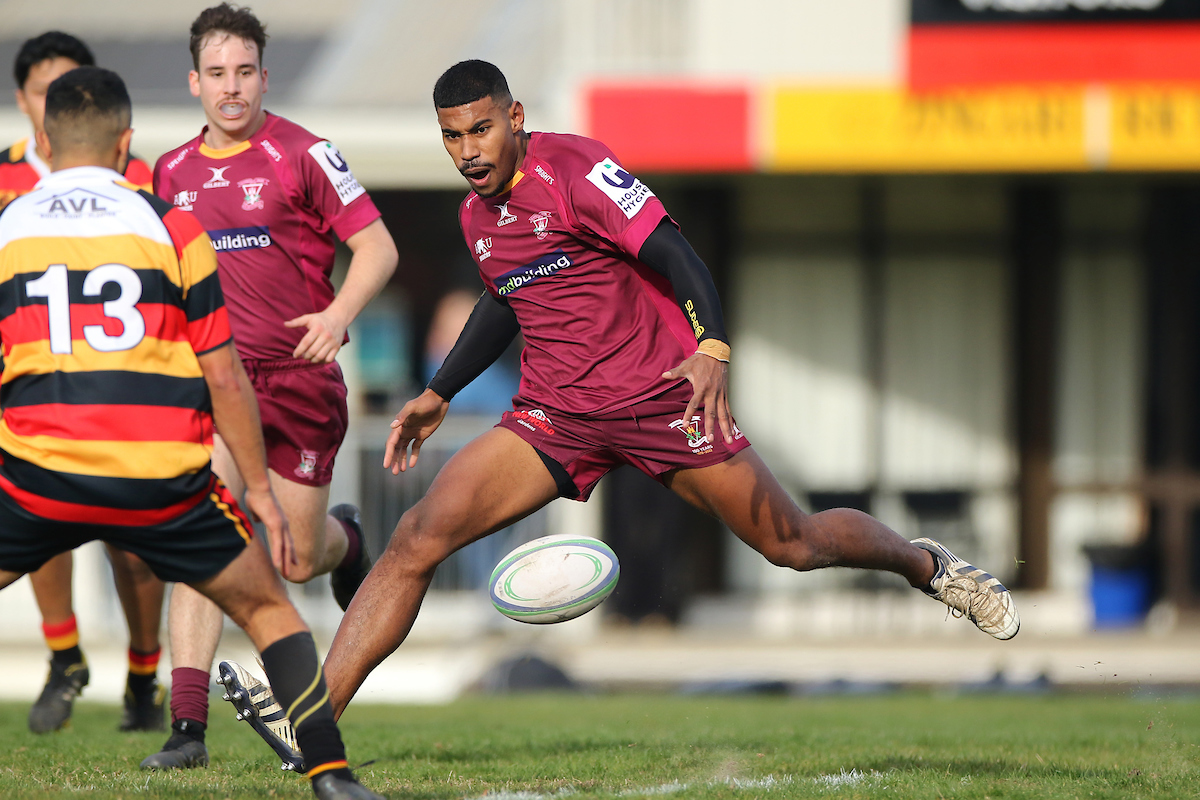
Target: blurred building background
<point>957,242</point>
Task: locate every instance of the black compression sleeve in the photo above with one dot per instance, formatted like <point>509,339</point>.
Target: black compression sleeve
<point>666,252</point>
<point>489,331</point>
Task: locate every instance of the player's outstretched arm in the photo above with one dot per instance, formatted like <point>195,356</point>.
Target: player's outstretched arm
<point>669,254</point>
<point>235,411</point>
<point>373,261</point>
<point>415,423</point>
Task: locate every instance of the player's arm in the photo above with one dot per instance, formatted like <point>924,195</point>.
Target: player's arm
<point>235,411</point>
<point>373,261</point>
<point>489,331</point>
<point>668,253</point>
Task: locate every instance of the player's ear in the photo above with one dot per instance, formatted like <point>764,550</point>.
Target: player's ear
<point>264,73</point>
<point>21,102</point>
<point>123,142</point>
<point>43,143</point>
<point>194,82</point>
<point>516,116</point>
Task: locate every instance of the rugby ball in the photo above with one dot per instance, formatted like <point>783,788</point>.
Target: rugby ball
<point>554,578</point>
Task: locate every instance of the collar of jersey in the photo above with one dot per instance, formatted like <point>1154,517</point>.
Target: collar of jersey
<point>227,152</point>
<point>75,174</point>
<point>508,187</point>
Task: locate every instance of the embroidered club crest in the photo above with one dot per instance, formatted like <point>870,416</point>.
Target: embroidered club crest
<point>695,439</point>
<point>307,465</point>
<point>541,222</point>
<point>253,189</point>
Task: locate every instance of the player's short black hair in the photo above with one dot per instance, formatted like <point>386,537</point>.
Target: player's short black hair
<point>51,44</point>
<point>87,108</point>
<point>237,21</point>
<point>468,81</point>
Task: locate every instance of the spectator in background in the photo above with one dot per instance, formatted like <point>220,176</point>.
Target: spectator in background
<point>491,393</point>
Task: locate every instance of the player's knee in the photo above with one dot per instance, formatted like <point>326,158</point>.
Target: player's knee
<point>416,544</point>
<point>793,554</point>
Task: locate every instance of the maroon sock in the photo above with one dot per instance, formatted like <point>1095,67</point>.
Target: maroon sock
<point>353,544</point>
<point>189,694</point>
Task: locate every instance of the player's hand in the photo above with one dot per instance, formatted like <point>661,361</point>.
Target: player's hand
<point>709,379</point>
<point>415,423</point>
<point>264,506</point>
<point>323,339</point>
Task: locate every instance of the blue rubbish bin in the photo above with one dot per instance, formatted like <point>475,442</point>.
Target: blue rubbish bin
<point>1122,584</point>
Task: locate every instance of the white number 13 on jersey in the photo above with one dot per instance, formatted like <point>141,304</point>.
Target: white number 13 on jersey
<point>54,287</point>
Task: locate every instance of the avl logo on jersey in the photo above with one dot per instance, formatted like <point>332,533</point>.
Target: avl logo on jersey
<point>184,200</point>
<point>626,191</point>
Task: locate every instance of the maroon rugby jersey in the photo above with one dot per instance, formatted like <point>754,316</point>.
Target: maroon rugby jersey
<point>559,247</point>
<point>269,205</point>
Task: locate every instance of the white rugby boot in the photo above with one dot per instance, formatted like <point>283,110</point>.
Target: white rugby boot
<point>256,705</point>
<point>970,592</point>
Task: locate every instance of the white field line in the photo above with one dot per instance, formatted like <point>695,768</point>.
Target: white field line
<point>841,780</point>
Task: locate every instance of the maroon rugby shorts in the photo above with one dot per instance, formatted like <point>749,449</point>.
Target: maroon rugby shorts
<point>304,416</point>
<point>650,435</point>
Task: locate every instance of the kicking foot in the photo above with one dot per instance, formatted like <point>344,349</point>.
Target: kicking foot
<point>144,709</point>
<point>184,750</point>
<point>971,592</point>
<point>331,787</point>
<point>345,580</point>
<point>53,709</point>
<point>256,705</point>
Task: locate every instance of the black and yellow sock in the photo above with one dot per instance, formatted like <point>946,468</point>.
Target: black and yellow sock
<point>296,678</point>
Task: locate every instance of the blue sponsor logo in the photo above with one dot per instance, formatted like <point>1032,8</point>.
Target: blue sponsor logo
<point>230,239</point>
<point>623,179</point>
<point>339,164</point>
<point>509,282</point>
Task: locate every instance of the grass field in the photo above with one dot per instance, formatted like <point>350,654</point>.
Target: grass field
<point>541,747</point>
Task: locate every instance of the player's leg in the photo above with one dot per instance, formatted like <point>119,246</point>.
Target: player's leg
<point>321,541</point>
<point>304,418</point>
<point>493,481</point>
<point>744,494</point>
<point>194,623</point>
<point>250,592</point>
<point>68,668</point>
<point>7,577</point>
<point>141,594</point>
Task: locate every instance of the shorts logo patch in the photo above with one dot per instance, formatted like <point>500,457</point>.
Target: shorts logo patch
<point>695,439</point>
<point>541,221</point>
<point>535,420</point>
<point>253,189</point>
<point>626,191</point>
<point>308,464</point>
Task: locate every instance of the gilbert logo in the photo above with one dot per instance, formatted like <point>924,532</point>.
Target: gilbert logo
<point>217,180</point>
<point>483,247</point>
<point>505,217</point>
<point>184,200</point>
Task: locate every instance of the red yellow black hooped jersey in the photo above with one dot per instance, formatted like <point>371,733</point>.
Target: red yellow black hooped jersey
<point>107,295</point>
<point>21,168</point>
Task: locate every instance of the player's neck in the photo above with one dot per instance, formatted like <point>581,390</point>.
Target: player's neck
<point>218,139</point>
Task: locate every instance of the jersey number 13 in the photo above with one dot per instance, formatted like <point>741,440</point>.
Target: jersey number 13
<point>53,286</point>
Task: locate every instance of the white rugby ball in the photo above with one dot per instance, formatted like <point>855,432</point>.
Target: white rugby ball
<point>554,578</point>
